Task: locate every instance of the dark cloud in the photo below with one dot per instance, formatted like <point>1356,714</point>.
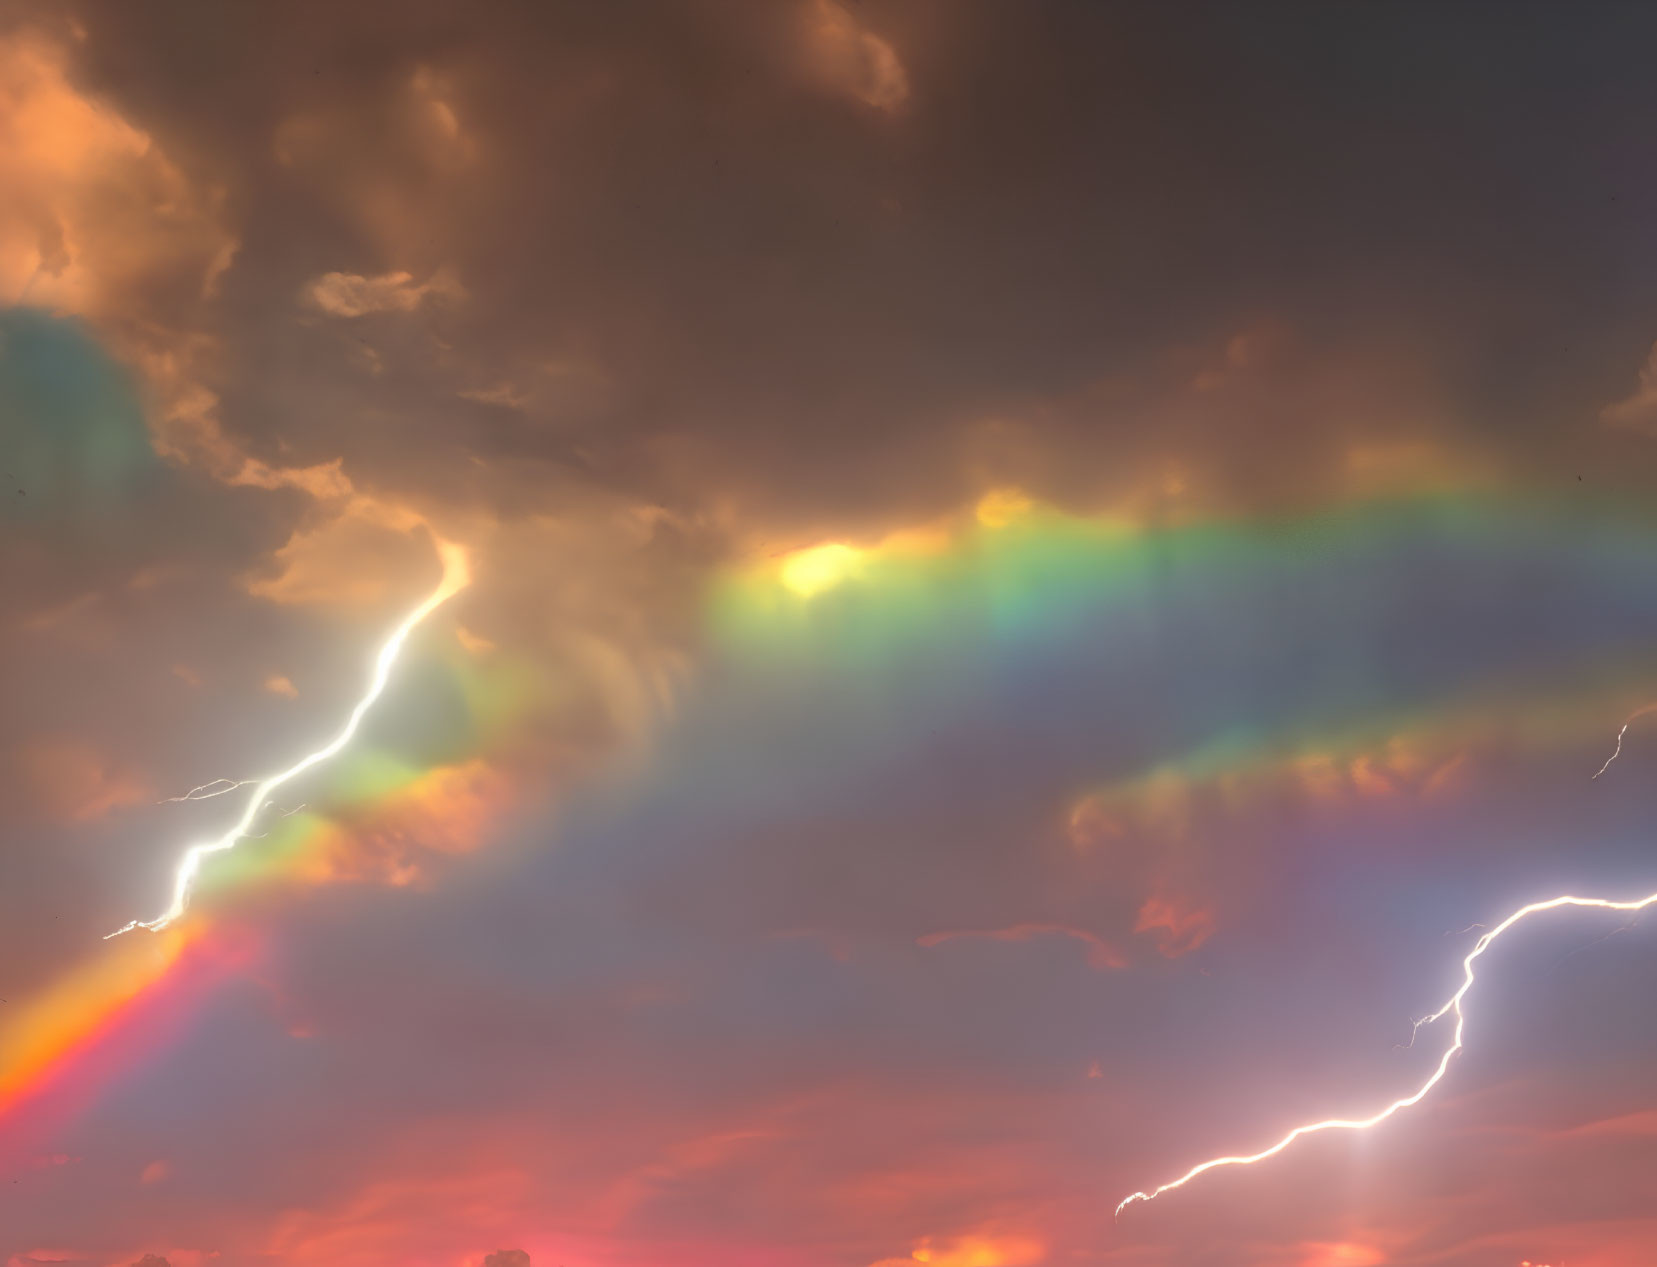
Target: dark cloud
<point>692,272</point>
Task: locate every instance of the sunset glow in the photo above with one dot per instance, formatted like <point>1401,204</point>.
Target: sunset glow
<point>827,633</point>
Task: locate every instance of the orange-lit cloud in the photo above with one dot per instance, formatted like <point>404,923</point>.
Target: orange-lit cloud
<point>1340,1254</point>
<point>818,568</point>
<point>1638,410</point>
<point>94,207</point>
<point>69,780</point>
<point>389,164</point>
<point>1101,955</point>
<point>1247,350</point>
<point>972,1251</point>
<point>386,1216</point>
<point>1178,927</point>
<point>346,554</point>
<point>853,59</point>
<point>99,219</point>
<point>352,295</point>
<point>448,810</point>
<point>276,684</point>
<point>1641,1124</point>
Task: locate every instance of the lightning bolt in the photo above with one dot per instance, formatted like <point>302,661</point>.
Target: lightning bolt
<point>1617,751</point>
<point>456,576</point>
<point>1453,1005</point>
<point>207,791</point>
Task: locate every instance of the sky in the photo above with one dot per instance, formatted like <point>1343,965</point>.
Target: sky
<point>1018,583</point>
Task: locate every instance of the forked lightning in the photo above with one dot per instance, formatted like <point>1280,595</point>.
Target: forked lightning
<point>456,576</point>
<point>1420,1093</point>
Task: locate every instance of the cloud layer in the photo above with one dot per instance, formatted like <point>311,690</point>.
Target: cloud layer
<point>1033,566</point>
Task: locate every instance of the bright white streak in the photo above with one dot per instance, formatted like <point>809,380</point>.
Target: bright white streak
<point>1617,751</point>
<point>207,791</point>
<point>1453,1005</point>
<point>456,576</point>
